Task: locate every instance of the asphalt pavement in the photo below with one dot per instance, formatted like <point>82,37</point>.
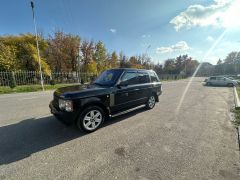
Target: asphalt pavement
<point>188,135</point>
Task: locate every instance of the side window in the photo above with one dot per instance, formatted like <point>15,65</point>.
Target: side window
<point>143,77</point>
<point>130,78</point>
<point>212,78</point>
<point>154,77</point>
<point>220,78</point>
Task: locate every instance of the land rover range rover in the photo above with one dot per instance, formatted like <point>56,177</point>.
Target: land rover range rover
<point>115,91</point>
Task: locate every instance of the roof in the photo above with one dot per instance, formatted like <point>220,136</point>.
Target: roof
<point>131,69</point>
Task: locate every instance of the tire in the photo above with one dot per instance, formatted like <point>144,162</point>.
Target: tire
<point>208,84</point>
<point>230,84</point>
<point>151,102</point>
<point>91,119</point>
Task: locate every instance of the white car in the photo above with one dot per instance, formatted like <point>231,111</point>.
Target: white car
<point>220,81</point>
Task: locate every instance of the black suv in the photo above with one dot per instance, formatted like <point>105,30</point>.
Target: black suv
<point>114,92</point>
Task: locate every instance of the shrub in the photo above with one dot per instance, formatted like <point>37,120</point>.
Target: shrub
<point>12,80</point>
<point>52,82</point>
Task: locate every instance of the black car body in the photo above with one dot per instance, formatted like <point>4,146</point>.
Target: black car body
<point>113,92</point>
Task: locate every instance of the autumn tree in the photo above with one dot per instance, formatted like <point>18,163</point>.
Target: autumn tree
<point>62,51</point>
<point>88,63</point>
<point>8,61</point>
<point>24,52</point>
<point>114,62</point>
<point>100,57</point>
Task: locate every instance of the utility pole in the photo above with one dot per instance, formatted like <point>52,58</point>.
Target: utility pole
<point>37,44</point>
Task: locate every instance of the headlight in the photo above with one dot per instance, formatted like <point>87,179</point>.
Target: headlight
<point>66,105</point>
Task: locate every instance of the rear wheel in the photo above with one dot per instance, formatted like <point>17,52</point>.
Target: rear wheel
<point>91,119</point>
<point>151,102</point>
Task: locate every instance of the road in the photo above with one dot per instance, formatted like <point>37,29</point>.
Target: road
<point>191,140</point>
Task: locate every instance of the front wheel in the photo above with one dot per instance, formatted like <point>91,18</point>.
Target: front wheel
<point>151,102</point>
<point>230,84</point>
<point>91,119</point>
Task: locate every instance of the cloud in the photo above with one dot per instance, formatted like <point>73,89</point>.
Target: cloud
<point>113,30</point>
<point>180,46</point>
<point>223,13</point>
<point>146,36</point>
<point>210,39</point>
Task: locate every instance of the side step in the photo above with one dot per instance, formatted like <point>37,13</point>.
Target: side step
<point>127,111</point>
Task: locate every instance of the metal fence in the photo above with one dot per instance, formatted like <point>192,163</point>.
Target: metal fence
<point>33,77</point>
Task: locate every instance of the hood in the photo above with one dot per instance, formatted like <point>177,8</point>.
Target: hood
<point>80,91</point>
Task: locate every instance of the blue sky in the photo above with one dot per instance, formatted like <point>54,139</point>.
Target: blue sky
<point>170,27</point>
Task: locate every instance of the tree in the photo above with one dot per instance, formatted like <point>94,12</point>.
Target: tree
<point>23,47</point>
<point>100,56</point>
<point>233,57</point>
<point>87,49</point>
<point>219,62</point>
<point>114,60</point>
<point>158,68</point>
<point>169,66</point>
<point>8,61</point>
<point>62,51</point>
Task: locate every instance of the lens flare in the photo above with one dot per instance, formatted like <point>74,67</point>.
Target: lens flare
<point>195,72</point>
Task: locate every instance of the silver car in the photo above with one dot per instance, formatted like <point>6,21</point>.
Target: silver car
<point>220,81</point>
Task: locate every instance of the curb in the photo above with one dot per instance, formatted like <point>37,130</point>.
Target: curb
<point>236,98</point>
<point>238,135</point>
<point>237,106</point>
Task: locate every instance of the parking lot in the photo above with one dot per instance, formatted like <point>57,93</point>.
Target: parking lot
<point>181,138</point>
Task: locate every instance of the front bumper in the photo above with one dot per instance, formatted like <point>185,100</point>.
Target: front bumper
<point>66,117</point>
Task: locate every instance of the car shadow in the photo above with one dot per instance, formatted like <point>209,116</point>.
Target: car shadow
<point>20,140</point>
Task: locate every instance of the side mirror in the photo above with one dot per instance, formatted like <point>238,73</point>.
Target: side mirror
<point>122,84</point>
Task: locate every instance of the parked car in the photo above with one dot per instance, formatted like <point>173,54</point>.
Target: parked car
<point>220,81</point>
<point>114,92</point>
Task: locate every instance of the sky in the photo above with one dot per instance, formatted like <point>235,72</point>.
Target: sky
<point>204,29</point>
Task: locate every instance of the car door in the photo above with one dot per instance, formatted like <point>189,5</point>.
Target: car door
<point>127,92</point>
<point>220,81</point>
<point>213,80</point>
<point>144,87</point>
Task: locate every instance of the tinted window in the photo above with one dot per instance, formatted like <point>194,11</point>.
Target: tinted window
<point>212,78</point>
<point>130,78</point>
<point>154,77</point>
<point>143,77</point>
<point>220,78</point>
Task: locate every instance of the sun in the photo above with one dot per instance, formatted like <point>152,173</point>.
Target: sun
<point>231,18</point>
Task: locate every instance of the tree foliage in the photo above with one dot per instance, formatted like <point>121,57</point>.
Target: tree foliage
<point>22,52</point>
<point>62,52</point>
<point>66,52</point>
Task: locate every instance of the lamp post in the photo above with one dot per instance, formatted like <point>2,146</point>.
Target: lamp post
<point>37,44</point>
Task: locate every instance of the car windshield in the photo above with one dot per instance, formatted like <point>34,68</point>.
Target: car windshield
<point>108,78</point>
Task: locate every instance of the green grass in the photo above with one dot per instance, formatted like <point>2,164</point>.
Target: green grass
<point>30,88</point>
<point>237,116</point>
<point>237,111</point>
